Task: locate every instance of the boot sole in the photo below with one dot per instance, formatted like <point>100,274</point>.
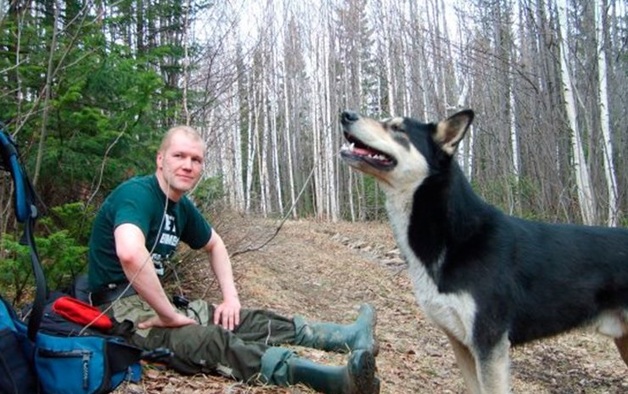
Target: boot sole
<point>362,373</point>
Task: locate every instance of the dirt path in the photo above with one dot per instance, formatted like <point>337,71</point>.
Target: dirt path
<point>324,271</point>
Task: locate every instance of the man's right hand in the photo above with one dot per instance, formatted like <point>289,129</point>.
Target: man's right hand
<point>177,320</point>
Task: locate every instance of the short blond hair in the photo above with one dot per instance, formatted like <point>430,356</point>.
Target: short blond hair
<point>181,129</point>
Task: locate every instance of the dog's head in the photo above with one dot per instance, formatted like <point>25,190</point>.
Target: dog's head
<point>401,152</point>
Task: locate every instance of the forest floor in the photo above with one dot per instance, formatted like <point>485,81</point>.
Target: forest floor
<point>324,271</point>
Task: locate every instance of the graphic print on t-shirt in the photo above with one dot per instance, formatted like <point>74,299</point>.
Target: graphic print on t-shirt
<point>168,241</point>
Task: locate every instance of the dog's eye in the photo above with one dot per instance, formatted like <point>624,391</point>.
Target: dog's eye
<point>397,127</point>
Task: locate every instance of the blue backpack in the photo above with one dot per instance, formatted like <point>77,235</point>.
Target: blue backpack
<point>46,354</point>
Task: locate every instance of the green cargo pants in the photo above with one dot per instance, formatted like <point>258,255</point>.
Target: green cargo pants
<point>207,348</point>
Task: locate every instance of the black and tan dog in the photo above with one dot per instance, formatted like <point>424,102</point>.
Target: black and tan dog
<point>488,280</point>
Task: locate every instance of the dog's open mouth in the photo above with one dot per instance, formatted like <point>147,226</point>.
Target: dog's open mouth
<point>356,150</point>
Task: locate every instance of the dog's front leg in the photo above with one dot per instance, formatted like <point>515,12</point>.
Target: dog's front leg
<point>622,346</point>
<point>493,368</point>
<point>466,363</point>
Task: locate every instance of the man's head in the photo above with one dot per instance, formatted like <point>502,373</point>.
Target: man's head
<point>180,161</point>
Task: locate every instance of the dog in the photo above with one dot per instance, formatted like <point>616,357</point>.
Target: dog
<point>488,280</point>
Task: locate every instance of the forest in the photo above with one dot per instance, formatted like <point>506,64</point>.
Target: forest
<point>88,87</point>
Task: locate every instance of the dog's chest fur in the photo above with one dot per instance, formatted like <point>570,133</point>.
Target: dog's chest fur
<point>453,312</point>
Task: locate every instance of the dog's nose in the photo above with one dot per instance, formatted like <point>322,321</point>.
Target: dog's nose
<point>348,117</point>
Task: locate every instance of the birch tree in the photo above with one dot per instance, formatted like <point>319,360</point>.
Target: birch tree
<point>581,171</point>
<point>252,143</point>
<point>503,59</point>
<point>290,72</point>
<point>607,142</point>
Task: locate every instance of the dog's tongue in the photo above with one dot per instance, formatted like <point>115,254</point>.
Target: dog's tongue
<point>362,151</point>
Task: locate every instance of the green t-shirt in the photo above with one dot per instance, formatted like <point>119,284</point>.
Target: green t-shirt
<point>140,201</point>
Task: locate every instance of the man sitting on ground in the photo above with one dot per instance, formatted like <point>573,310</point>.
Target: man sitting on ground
<point>138,229</point>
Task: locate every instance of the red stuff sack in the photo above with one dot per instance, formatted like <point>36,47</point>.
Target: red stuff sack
<point>81,313</point>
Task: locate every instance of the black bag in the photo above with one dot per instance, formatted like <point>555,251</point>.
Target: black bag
<point>55,357</point>
<point>16,373</point>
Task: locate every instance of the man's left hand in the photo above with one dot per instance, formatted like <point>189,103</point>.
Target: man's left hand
<point>227,314</point>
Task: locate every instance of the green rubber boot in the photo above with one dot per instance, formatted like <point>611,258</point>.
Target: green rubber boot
<point>283,367</point>
<point>338,337</point>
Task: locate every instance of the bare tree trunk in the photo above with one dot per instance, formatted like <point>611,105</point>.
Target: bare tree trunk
<point>466,149</point>
<point>316,128</point>
<point>47,90</point>
<point>388,59</point>
<point>512,107</point>
<point>253,121</point>
<point>583,180</point>
<point>274,142</point>
<point>264,181</point>
<point>438,35</point>
<point>607,142</point>
<point>238,181</point>
<point>328,133</point>
<point>186,62</point>
<point>288,141</point>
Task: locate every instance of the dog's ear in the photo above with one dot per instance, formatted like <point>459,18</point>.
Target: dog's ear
<point>449,132</point>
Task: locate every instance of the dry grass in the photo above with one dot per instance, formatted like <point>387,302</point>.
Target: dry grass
<point>324,271</point>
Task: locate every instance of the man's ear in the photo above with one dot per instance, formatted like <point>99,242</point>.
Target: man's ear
<point>449,132</point>
<point>159,159</point>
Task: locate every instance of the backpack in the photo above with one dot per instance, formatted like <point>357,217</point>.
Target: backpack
<point>47,353</point>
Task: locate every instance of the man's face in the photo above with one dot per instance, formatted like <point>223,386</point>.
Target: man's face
<point>179,166</point>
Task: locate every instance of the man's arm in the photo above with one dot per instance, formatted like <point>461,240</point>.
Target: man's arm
<point>139,269</point>
<point>228,312</point>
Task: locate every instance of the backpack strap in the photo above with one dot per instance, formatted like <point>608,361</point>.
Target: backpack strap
<point>24,208</point>
<point>25,212</point>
